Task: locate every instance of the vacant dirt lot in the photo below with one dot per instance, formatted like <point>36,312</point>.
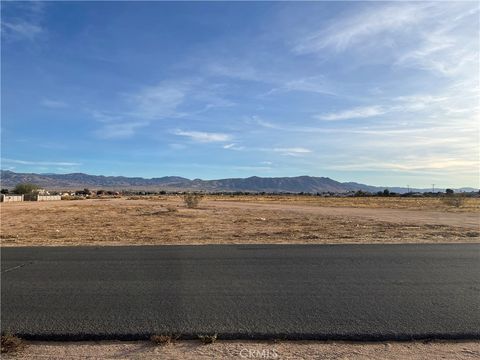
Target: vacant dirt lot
<point>251,350</point>
<point>412,203</point>
<point>243,220</point>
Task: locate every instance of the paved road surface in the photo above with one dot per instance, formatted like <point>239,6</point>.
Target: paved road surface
<point>358,292</point>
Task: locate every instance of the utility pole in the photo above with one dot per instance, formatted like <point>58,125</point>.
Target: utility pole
<point>433,188</point>
<point>408,189</point>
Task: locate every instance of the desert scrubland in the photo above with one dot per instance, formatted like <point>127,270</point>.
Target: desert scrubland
<point>238,220</point>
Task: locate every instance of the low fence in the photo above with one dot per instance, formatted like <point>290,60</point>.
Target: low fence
<point>10,198</point>
<point>48,197</point>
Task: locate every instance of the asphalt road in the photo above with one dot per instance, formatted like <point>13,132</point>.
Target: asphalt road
<point>351,292</point>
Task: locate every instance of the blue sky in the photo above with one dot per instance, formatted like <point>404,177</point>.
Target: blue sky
<point>383,93</point>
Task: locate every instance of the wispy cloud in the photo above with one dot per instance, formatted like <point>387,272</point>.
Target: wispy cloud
<point>439,37</point>
<point>298,150</point>
<point>160,101</point>
<point>361,27</point>
<point>54,104</point>
<point>233,146</point>
<point>258,120</point>
<point>39,163</point>
<point>316,85</point>
<point>280,81</point>
<point>355,113</point>
<point>291,151</point>
<point>163,102</point>
<point>119,130</point>
<point>442,52</point>
<point>21,30</point>
<point>432,163</point>
<point>204,137</point>
<point>25,24</point>
<point>452,100</point>
<point>235,69</point>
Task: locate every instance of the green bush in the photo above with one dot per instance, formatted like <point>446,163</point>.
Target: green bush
<point>25,188</point>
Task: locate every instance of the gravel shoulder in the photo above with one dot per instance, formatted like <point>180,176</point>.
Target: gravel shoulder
<point>193,350</point>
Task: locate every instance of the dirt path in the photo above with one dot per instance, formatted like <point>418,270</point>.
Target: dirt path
<point>465,220</point>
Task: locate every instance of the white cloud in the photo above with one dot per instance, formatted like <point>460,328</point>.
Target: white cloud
<point>432,163</point>
<point>298,150</point>
<point>40,163</point>
<point>163,101</point>
<point>361,27</point>
<point>233,146</point>
<point>156,102</point>
<point>438,37</point>
<point>355,113</point>
<point>149,104</point>
<point>205,137</point>
<point>282,82</point>
<point>449,101</point>
<point>291,151</point>
<point>442,52</point>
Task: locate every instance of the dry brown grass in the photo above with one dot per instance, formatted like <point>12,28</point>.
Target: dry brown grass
<point>11,344</point>
<point>411,203</point>
<point>164,339</point>
<point>208,339</point>
<point>137,222</point>
<point>192,200</point>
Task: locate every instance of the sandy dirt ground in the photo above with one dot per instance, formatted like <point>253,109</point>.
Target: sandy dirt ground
<point>218,220</point>
<point>193,350</point>
<point>412,203</point>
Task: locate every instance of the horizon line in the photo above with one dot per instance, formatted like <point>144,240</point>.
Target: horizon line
<point>252,176</point>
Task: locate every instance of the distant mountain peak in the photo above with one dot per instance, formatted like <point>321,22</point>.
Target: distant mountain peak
<point>297,184</point>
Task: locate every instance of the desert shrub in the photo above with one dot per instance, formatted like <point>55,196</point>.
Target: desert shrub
<point>70,197</point>
<point>164,339</point>
<point>11,344</point>
<point>208,339</point>
<point>191,200</point>
<point>25,188</point>
<point>171,208</point>
<point>134,198</point>
<point>454,200</point>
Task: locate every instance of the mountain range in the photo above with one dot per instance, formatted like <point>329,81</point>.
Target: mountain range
<point>307,184</point>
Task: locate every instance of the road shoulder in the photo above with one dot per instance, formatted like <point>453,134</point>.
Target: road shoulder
<point>250,350</point>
